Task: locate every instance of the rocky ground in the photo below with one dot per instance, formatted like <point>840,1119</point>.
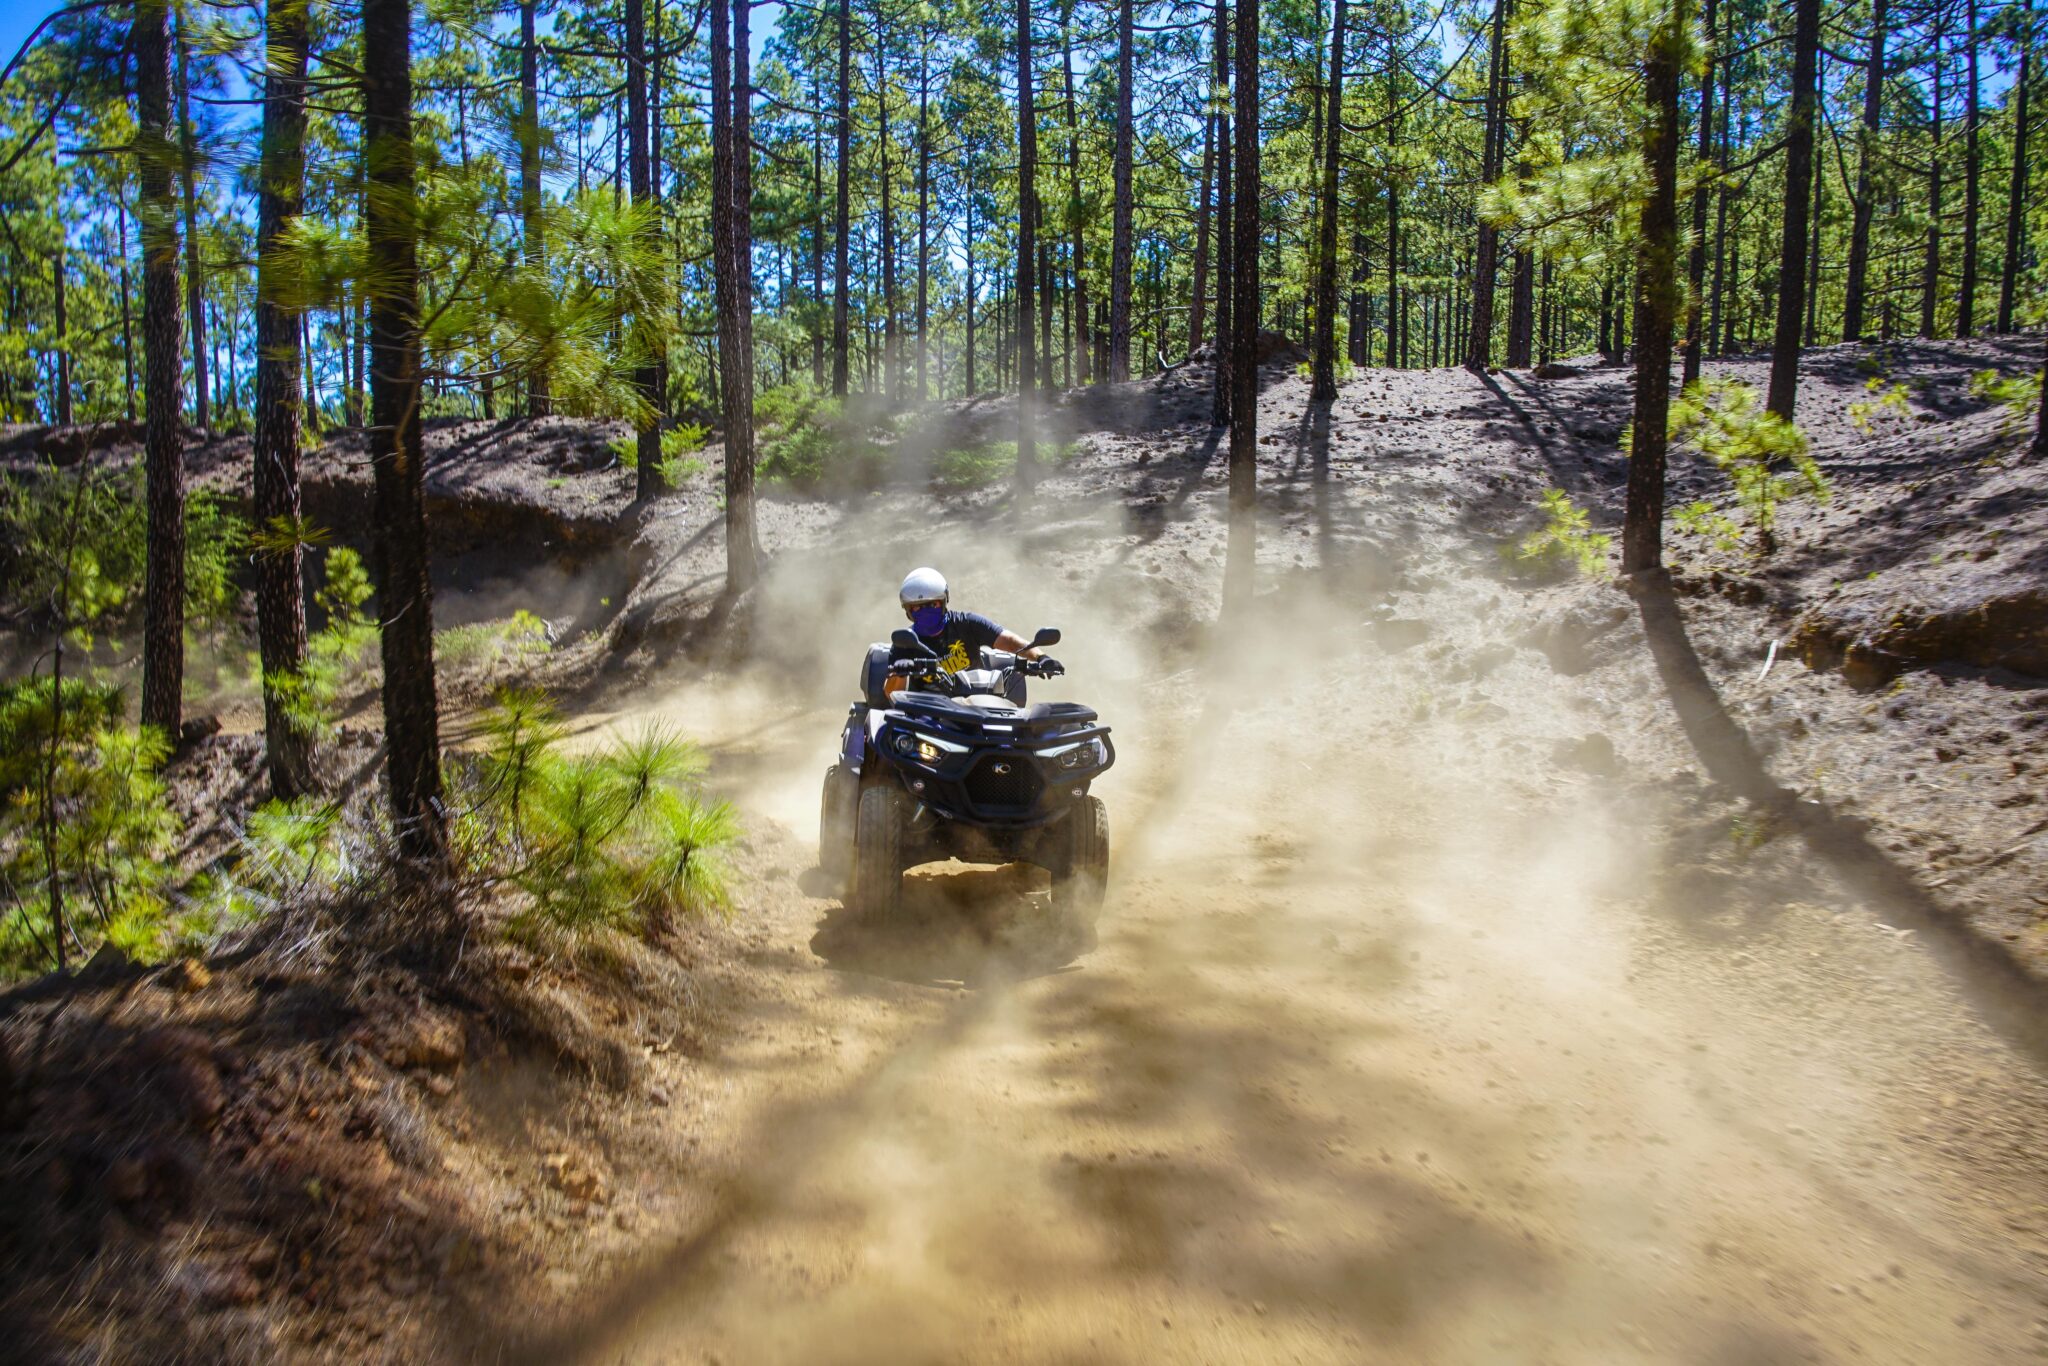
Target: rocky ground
<point>1496,968</point>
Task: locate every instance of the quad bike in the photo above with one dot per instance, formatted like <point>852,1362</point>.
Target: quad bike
<point>958,766</point>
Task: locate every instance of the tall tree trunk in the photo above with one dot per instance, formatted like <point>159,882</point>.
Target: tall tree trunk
<point>1867,152</point>
<point>1784,388</point>
<point>968,252</point>
<point>1197,300</point>
<point>742,536</point>
<point>1716,345</point>
<point>188,159</point>
<point>398,523</point>
<point>1027,249</point>
<point>647,483</point>
<point>732,281</point>
<point>127,317</point>
<point>1815,222</point>
<point>817,240</point>
<point>274,446</point>
<point>892,350</point>
<point>1323,383</point>
<point>1966,296</point>
<point>845,151</point>
<point>1696,265</point>
<point>163,591</point>
<point>924,213</point>
<point>1120,231</point>
<point>658,59</point>
<point>1522,311</point>
<point>1226,246</point>
<point>1241,540</point>
<point>1656,300</point>
<point>1479,351</point>
<point>533,228</point>
<point>58,267</point>
<point>1397,357</point>
<point>2041,418</point>
<point>1076,220</point>
<point>2016,187</point>
<point>1930,278</point>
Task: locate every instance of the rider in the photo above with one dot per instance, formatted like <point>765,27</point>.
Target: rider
<point>957,638</point>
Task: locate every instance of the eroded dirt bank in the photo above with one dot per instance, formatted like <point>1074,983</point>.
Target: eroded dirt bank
<point>1449,1008</point>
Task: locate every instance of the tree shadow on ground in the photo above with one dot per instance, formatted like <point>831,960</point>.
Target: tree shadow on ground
<point>1995,983</point>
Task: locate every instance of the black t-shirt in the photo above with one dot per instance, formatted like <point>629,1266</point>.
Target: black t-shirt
<point>960,641</point>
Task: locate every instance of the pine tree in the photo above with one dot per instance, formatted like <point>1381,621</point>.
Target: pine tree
<point>1792,254</point>
<point>1241,545</point>
<point>1323,384</point>
<point>163,593</point>
<point>274,447</point>
<point>398,525</point>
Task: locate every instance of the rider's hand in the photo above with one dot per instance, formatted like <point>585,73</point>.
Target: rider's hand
<point>1049,667</point>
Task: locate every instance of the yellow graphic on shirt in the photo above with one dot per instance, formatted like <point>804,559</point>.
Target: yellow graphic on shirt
<point>955,659</point>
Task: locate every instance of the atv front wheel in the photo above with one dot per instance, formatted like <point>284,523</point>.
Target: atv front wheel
<point>878,855</point>
<point>1082,878</point>
<point>837,813</point>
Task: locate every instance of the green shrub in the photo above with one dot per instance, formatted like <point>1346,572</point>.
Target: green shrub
<point>334,651</point>
<point>84,828</point>
<point>1892,402</point>
<point>1764,456</point>
<point>80,541</point>
<point>461,646</point>
<point>2018,395</point>
<point>1566,537</point>
<point>1703,519</point>
<point>615,838</point>
<point>286,850</point>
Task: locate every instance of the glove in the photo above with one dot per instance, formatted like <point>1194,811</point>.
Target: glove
<point>1049,667</point>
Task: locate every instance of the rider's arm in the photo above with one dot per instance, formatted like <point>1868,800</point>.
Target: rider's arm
<point>1015,644</point>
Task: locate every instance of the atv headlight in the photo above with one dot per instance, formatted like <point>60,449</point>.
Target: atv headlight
<point>1080,755</point>
<point>926,749</point>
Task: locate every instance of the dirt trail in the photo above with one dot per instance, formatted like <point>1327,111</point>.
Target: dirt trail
<point>1398,1047</point>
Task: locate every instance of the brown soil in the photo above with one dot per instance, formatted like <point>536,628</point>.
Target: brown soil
<point>1493,970</point>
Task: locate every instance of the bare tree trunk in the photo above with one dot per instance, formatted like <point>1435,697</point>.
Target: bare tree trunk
<point>1241,539</point>
<point>647,483</point>
<point>1784,389</point>
<point>398,524</point>
<point>1120,239</point>
<point>1522,311</point>
<point>1198,301</point>
<point>924,213</point>
<point>2016,187</point>
<point>732,279</point>
<point>274,446</point>
<point>1027,248</point>
<point>1226,247</point>
<point>1656,293</point>
<point>1865,194</point>
<point>1696,265</point>
<point>892,348</point>
<point>1479,349</point>
<point>968,252</point>
<point>127,317</point>
<point>533,228</point>
<point>194,284</point>
<point>839,327</point>
<point>1966,296</point>
<point>163,592</point>
<point>1323,383</point>
<point>1083,327</point>
<point>57,270</point>
<point>1930,279</point>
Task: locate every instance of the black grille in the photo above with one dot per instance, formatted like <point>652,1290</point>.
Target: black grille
<point>1006,784</point>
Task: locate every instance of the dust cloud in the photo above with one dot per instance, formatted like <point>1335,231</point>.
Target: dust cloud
<point>1396,1048</point>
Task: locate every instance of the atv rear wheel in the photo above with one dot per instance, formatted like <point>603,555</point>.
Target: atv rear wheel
<point>837,813</point>
<point>878,855</point>
<point>1082,878</point>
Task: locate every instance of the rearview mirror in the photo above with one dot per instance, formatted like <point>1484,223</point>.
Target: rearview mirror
<point>1047,635</point>
<point>906,644</point>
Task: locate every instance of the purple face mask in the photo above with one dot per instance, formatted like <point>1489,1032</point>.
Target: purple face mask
<point>929,619</point>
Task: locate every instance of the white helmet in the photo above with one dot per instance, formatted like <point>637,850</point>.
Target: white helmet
<point>923,585</point>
